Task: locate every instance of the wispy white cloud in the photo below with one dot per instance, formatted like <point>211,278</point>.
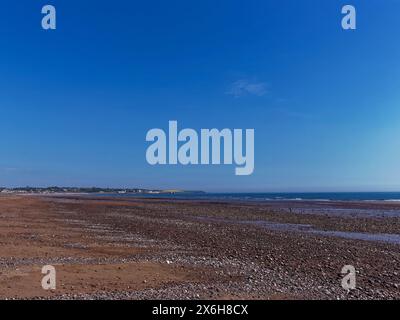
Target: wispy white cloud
<point>244,87</point>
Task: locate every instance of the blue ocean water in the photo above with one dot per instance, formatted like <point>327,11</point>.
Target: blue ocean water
<point>315,196</point>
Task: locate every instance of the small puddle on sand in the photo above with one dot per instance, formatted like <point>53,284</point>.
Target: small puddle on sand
<point>380,237</point>
<point>306,228</point>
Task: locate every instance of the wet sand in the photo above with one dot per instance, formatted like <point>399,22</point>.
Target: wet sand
<point>130,248</point>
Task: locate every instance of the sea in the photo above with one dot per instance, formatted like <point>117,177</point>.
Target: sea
<point>309,196</point>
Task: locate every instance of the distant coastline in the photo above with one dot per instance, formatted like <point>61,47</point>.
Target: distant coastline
<point>91,190</point>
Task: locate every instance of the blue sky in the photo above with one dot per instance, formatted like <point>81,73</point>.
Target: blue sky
<point>76,103</point>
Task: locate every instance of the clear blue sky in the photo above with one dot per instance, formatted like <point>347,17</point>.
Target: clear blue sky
<point>76,103</point>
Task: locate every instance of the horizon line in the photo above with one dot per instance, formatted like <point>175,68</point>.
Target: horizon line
<point>194,190</point>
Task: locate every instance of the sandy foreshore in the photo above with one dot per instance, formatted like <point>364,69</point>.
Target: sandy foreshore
<point>105,248</point>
